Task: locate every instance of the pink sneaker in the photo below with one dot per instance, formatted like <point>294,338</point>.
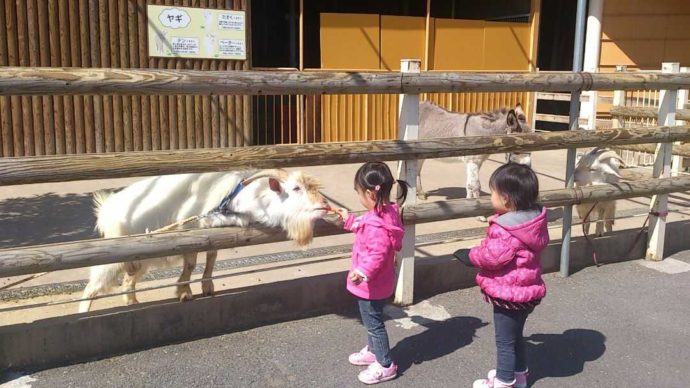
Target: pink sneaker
<point>363,357</point>
<point>520,378</point>
<point>376,373</point>
<point>492,382</point>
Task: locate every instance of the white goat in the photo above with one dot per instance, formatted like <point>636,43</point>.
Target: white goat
<point>273,198</point>
<point>599,166</point>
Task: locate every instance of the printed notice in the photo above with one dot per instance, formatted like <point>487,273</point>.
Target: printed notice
<point>186,32</point>
<point>231,47</point>
<point>230,21</point>
<point>184,46</point>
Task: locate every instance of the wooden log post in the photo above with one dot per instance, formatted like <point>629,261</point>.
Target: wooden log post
<point>658,208</point>
<point>619,101</point>
<point>682,99</point>
<point>408,126</point>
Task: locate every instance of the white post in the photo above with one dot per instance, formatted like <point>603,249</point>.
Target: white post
<point>619,100</point>
<point>408,125</point>
<point>658,208</point>
<point>677,164</point>
<point>591,60</point>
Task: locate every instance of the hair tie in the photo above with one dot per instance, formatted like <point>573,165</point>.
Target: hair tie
<point>377,188</point>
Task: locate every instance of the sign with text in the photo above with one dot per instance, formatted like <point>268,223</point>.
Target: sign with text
<point>185,32</point>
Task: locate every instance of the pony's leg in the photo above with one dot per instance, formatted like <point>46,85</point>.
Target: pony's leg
<point>133,273</point>
<point>207,285</point>
<point>421,194</point>
<point>184,291</point>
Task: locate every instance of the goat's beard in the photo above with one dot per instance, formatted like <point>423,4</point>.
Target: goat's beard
<point>300,229</point>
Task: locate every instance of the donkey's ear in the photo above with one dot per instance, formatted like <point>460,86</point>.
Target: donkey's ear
<point>512,122</point>
<point>518,109</point>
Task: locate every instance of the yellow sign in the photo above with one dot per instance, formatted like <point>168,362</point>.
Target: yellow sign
<point>196,33</point>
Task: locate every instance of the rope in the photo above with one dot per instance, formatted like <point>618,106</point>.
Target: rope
<point>591,244</point>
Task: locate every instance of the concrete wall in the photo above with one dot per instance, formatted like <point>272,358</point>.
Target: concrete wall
<point>64,340</point>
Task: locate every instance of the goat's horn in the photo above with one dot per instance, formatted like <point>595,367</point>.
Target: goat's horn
<point>611,154</point>
<point>277,173</point>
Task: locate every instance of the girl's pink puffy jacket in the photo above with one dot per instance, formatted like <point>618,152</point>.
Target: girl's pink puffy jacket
<point>378,235</point>
<point>508,259</point>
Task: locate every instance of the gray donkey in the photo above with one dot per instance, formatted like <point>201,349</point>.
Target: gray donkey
<point>435,121</point>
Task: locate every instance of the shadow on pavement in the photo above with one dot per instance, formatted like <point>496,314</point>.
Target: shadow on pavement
<point>439,339</point>
<point>46,219</point>
<point>563,355</point>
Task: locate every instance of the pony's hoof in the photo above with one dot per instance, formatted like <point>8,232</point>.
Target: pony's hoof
<point>185,294</point>
<point>207,289</point>
<point>131,301</point>
<point>481,218</point>
<point>422,195</point>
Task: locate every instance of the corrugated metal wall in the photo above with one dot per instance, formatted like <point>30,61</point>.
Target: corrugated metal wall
<point>108,33</point>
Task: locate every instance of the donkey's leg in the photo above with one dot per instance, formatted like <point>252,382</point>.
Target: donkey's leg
<point>134,271</point>
<point>207,285</point>
<point>184,291</point>
<point>472,165</point>
<point>421,194</point>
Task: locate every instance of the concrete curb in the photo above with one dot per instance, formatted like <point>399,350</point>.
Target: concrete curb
<point>74,338</point>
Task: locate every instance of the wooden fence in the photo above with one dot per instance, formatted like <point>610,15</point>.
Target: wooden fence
<point>25,82</point>
<point>108,34</point>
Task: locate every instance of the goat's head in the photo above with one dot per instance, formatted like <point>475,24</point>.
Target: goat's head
<point>291,200</point>
<point>600,165</point>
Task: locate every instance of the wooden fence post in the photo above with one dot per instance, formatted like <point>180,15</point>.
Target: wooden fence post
<point>619,100</point>
<point>682,99</point>
<point>408,125</point>
<point>658,208</point>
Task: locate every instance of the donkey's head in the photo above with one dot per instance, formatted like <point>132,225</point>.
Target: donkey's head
<point>516,122</point>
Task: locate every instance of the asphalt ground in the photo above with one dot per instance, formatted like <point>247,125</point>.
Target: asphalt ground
<point>619,325</point>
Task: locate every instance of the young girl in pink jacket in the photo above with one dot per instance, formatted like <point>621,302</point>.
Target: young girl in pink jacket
<point>378,235</point>
<point>509,268</point>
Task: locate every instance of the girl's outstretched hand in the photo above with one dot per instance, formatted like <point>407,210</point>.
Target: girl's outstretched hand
<point>342,213</point>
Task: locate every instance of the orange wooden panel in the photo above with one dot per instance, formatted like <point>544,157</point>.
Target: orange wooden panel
<point>620,27</point>
<point>646,7</point>
<point>349,41</point>
<point>677,51</point>
<point>458,44</point>
<point>677,26</point>
<point>402,37</point>
<point>506,46</point>
<point>644,54</point>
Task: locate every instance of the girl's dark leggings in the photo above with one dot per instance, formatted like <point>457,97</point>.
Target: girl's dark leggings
<point>510,346</point>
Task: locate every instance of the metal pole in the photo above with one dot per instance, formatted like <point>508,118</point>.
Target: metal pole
<point>574,121</point>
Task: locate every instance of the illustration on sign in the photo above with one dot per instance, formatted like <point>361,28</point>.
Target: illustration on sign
<point>196,33</point>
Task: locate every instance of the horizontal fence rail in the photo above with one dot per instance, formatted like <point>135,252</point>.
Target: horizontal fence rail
<point>21,261</point>
<point>643,112</point>
<point>23,81</point>
<point>15,171</point>
<point>680,150</point>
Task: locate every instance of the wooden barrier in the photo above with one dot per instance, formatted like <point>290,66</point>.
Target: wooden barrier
<point>116,165</point>
<point>20,261</point>
<point>641,112</point>
<point>22,81</point>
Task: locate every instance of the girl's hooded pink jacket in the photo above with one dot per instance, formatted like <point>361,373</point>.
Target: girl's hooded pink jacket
<point>508,259</point>
<point>378,235</point>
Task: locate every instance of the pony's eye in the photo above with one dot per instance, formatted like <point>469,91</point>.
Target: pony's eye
<point>296,189</point>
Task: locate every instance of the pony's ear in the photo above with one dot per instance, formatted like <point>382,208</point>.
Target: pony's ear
<point>274,185</point>
<point>512,122</point>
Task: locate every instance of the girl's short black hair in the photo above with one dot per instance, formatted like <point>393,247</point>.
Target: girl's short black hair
<point>518,183</point>
<point>377,177</point>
